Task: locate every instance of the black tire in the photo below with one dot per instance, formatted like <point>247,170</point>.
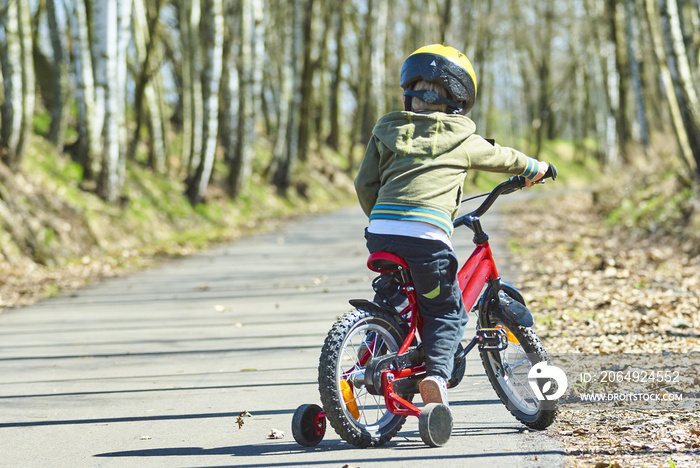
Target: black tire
<point>374,425</point>
<point>435,424</point>
<point>507,370</point>
<point>304,425</point>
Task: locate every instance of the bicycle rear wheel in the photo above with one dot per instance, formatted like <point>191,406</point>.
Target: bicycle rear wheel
<point>358,416</point>
<point>507,370</point>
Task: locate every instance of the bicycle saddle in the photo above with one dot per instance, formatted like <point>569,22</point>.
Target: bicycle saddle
<point>385,262</point>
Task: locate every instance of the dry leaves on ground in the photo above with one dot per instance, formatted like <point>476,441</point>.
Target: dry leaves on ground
<point>594,288</point>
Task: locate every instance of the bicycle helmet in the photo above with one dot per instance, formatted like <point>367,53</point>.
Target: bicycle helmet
<point>445,66</point>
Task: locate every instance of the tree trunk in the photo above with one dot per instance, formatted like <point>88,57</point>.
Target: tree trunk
<point>672,101</point>
<point>25,30</point>
<point>680,74</point>
<point>252,57</point>
<point>190,11</point>
<point>334,135</point>
<point>18,72</point>
<point>11,61</point>
<point>60,72</point>
<point>367,116</point>
<point>634,73</point>
<point>146,87</point>
<point>621,72</point>
<point>543,71</point>
<point>230,86</point>
<point>321,64</point>
<point>282,172</point>
<point>212,29</point>
<point>379,58</point>
<point>106,34</point>
<point>88,150</point>
<point>307,76</point>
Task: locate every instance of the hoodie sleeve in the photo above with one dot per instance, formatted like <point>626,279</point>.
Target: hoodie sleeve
<point>367,181</point>
<point>485,156</point>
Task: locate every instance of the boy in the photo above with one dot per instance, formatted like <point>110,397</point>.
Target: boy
<point>410,185</point>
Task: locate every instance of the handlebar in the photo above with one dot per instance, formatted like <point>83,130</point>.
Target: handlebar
<point>513,184</point>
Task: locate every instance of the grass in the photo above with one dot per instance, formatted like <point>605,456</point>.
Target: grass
<point>154,216</point>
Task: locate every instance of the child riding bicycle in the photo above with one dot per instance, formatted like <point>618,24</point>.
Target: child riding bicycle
<point>410,186</point>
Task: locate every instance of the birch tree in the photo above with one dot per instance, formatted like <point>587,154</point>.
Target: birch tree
<point>286,156</point>
<point>230,86</point>
<point>306,82</point>
<point>105,37</point>
<point>18,70</point>
<point>146,99</point>
<point>88,147</point>
<point>190,15</point>
<point>212,30</point>
<point>686,151</point>
<point>631,31</point>
<point>251,55</point>
<point>337,76</point>
<point>60,71</point>
<point>680,75</point>
<point>11,62</point>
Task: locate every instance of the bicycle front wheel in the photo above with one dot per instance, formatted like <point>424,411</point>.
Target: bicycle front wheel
<point>508,369</point>
<point>358,416</point>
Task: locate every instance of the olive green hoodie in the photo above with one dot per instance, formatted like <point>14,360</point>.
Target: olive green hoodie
<point>415,164</point>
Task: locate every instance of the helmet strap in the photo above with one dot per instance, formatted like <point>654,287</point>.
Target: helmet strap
<point>407,102</point>
<point>431,97</point>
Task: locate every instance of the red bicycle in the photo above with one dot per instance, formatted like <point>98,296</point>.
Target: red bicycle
<point>372,360</point>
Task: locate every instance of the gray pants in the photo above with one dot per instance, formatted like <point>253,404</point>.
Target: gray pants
<point>434,270</point>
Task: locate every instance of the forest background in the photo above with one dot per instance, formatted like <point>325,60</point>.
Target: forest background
<point>149,124</point>
<point>131,129</point>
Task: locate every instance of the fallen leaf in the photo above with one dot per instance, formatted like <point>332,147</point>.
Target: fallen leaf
<point>240,422</point>
<point>275,434</point>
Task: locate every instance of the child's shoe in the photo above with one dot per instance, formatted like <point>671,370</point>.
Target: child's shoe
<point>433,389</point>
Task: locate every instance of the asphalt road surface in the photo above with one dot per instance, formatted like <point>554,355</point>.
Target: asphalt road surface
<point>153,369</point>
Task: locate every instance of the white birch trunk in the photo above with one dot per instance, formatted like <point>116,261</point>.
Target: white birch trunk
<point>101,21</point>
<point>258,55</point>
<point>640,129</point>
<point>89,150</point>
<point>141,39</point>
<point>378,57</point>
<point>195,74</point>
<point>11,58</point>
<point>123,40</point>
<point>60,68</point>
<point>613,80</point>
<point>25,34</point>
<point>186,86</point>
<point>283,171</point>
<point>106,35</point>
<point>667,80</point>
<point>213,32</point>
<point>243,155</point>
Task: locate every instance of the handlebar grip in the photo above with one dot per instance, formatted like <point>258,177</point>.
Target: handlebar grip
<point>551,172</point>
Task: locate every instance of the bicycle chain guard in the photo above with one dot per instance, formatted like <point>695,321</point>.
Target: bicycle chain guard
<point>375,366</point>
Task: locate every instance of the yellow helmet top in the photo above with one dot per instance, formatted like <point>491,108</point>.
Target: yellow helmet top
<point>443,65</point>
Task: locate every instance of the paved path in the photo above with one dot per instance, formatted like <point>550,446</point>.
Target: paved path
<point>153,369</point>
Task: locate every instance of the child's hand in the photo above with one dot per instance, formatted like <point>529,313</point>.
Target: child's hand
<point>541,170</point>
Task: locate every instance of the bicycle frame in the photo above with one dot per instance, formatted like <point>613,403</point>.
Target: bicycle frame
<point>475,273</point>
<point>477,270</point>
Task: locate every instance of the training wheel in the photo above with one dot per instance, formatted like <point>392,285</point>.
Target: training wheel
<point>435,424</point>
<point>304,425</point>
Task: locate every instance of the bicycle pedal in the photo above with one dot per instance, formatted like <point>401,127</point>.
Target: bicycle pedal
<point>492,339</point>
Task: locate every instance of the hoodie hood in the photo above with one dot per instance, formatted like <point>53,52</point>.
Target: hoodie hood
<point>410,133</point>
